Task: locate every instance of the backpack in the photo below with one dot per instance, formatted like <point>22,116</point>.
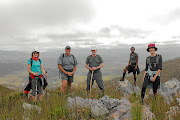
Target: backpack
<point>157,60</point>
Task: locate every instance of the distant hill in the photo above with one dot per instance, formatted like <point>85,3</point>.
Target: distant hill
<point>4,90</point>
<point>13,64</point>
<point>171,69</point>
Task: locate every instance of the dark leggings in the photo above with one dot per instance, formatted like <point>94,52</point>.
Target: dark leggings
<point>146,82</point>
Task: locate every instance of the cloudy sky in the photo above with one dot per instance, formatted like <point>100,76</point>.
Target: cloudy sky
<point>51,24</point>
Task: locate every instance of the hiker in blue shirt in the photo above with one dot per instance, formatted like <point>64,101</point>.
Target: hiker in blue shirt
<point>35,69</point>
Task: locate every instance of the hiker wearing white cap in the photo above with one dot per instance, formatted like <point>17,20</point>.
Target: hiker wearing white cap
<point>94,62</point>
<point>67,64</point>
<point>35,69</point>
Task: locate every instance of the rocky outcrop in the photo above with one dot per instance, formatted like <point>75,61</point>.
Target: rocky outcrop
<point>171,88</point>
<point>122,111</point>
<point>126,88</point>
<point>113,108</point>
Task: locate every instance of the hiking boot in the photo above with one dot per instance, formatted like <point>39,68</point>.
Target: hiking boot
<point>122,79</point>
<point>142,101</point>
<point>134,83</point>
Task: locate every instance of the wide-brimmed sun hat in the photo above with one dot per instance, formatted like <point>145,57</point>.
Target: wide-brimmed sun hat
<point>151,46</point>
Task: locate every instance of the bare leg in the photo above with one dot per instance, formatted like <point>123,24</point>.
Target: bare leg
<point>69,84</point>
<point>64,85</point>
<point>33,98</point>
<point>40,97</point>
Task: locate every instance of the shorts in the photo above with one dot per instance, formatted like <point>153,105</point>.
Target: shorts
<point>131,68</point>
<point>66,77</point>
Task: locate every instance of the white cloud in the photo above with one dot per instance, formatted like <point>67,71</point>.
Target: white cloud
<point>83,23</point>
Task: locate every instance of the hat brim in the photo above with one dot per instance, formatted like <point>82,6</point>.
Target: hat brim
<point>152,47</point>
<point>35,51</point>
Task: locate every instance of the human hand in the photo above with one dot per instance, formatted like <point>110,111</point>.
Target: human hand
<point>69,73</point>
<point>91,69</point>
<point>46,74</point>
<point>36,74</point>
<point>135,68</point>
<point>94,68</point>
<point>153,79</point>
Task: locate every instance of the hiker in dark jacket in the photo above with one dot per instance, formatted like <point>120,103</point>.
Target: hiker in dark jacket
<point>67,64</point>
<point>152,71</point>
<point>35,68</point>
<point>132,65</point>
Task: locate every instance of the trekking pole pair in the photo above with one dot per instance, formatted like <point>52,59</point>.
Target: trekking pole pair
<point>37,90</point>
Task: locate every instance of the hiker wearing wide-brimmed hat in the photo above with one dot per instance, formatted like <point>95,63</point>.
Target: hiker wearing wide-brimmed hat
<point>152,72</point>
<point>67,64</point>
<point>132,65</point>
<point>35,69</point>
<point>94,62</point>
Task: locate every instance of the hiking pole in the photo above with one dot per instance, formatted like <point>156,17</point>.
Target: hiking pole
<point>46,81</point>
<point>91,80</point>
<point>36,93</point>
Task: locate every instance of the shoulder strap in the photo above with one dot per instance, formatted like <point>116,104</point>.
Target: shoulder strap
<point>148,60</point>
<point>40,61</point>
<point>98,57</point>
<point>157,59</point>
<point>31,61</point>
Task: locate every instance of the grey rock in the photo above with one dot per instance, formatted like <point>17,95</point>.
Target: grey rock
<point>172,112</point>
<point>167,99</point>
<point>79,101</point>
<point>147,114</point>
<point>125,87</point>
<point>121,110</point>
<point>70,102</point>
<point>27,108</point>
<point>109,102</point>
<point>171,88</point>
<point>136,89</point>
<point>98,108</point>
<point>127,116</point>
<point>178,100</point>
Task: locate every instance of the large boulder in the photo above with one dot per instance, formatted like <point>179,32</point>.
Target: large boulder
<point>171,88</point>
<point>136,89</point>
<point>125,87</point>
<point>110,103</point>
<point>98,108</point>
<point>122,111</point>
<point>114,108</point>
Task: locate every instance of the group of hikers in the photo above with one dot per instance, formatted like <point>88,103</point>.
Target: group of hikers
<point>67,64</point>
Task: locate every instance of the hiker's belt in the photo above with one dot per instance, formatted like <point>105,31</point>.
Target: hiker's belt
<point>71,70</point>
